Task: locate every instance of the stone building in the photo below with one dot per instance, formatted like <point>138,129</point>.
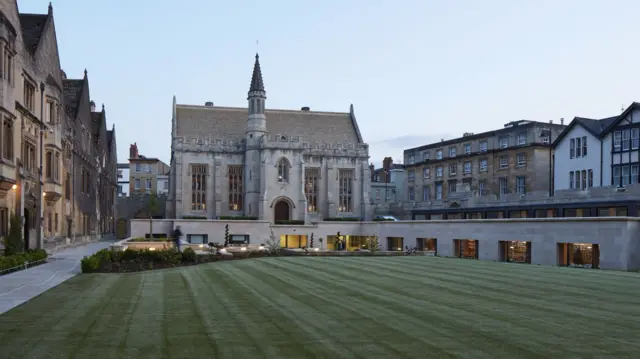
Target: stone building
<point>146,173</point>
<point>514,160</point>
<point>275,165</point>
<point>36,139</point>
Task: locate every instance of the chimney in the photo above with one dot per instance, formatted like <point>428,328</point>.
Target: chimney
<point>372,169</point>
<point>551,122</point>
<point>305,109</point>
<point>387,164</point>
<point>133,151</point>
<point>93,106</point>
<point>208,104</point>
<point>561,120</point>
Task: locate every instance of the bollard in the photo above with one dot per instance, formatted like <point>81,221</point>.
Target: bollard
<point>26,265</point>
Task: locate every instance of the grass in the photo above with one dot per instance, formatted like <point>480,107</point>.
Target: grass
<point>323,307</point>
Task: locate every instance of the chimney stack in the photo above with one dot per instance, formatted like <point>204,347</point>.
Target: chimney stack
<point>93,106</point>
<point>305,109</point>
<point>387,164</point>
<point>133,151</point>
<point>561,120</point>
<point>551,122</point>
<point>372,169</point>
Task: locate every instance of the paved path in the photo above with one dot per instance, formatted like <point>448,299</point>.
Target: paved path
<point>19,287</point>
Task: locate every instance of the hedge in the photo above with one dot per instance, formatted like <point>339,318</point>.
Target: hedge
<point>237,218</point>
<point>342,219</point>
<point>290,221</point>
<point>18,259</point>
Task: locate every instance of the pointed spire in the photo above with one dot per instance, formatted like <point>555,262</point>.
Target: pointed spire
<point>50,8</point>
<point>85,72</point>
<point>256,79</point>
<point>102,107</point>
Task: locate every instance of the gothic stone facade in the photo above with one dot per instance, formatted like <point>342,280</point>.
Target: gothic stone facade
<point>276,165</point>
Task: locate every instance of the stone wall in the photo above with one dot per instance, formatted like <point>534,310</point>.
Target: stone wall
<point>618,237</point>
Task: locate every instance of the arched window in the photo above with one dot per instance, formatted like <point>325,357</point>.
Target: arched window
<point>283,170</point>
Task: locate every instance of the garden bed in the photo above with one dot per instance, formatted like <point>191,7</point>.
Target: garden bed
<point>16,262</point>
<point>109,261</point>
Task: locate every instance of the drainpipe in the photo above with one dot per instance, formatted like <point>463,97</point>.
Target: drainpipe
<point>39,206</point>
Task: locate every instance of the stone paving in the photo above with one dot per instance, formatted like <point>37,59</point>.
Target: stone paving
<point>19,287</point>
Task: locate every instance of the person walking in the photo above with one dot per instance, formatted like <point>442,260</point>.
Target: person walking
<point>177,233</point>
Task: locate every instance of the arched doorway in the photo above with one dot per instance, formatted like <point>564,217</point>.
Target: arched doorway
<point>281,211</point>
<point>26,227</point>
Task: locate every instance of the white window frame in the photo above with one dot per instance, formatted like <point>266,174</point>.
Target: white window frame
<point>484,146</point>
<point>483,168</point>
<point>521,160</point>
<point>438,154</point>
<point>503,142</point>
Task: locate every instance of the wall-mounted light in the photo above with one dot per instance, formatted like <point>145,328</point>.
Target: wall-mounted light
<point>14,187</point>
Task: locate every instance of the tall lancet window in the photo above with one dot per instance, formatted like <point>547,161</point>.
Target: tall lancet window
<point>283,170</point>
<point>345,188</point>
<point>198,187</point>
<point>311,176</point>
<point>235,188</point>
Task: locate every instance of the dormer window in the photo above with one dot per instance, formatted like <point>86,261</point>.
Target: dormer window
<point>283,170</point>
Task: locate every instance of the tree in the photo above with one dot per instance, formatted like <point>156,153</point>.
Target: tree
<point>13,243</point>
<point>152,207</point>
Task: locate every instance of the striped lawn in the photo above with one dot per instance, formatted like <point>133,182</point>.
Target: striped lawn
<point>324,307</point>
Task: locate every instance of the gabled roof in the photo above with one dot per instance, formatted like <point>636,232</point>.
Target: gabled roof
<point>72,93</point>
<point>598,128</point>
<point>32,29</point>
<point>633,106</point>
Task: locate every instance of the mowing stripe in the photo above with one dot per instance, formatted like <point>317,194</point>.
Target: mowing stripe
<point>58,310</point>
<point>409,311</point>
<point>497,301</point>
<point>405,301</point>
<point>385,338</point>
<point>302,333</point>
<point>534,297</point>
<point>145,332</point>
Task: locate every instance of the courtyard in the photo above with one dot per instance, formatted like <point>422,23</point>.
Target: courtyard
<point>327,307</point>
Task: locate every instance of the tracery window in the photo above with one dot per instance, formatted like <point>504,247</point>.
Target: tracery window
<point>235,188</point>
<point>345,188</point>
<point>311,176</point>
<point>198,187</point>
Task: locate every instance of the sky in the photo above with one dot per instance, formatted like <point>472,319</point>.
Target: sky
<point>416,71</point>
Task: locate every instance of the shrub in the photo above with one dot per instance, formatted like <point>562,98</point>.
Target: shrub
<point>273,244</point>
<point>161,239</point>
<point>19,259</point>
<point>373,245</point>
<point>188,255</point>
<point>13,243</point>
<point>193,217</point>
<point>342,219</point>
<point>90,264</point>
<point>291,222</point>
<point>237,218</point>
<point>383,220</point>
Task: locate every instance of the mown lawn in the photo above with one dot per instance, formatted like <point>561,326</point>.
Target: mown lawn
<point>403,307</point>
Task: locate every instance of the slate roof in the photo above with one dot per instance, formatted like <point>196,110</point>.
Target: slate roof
<point>32,28</point>
<point>595,127</point>
<point>256,78</point>
<point>230,122</point>
<point>72,93</point>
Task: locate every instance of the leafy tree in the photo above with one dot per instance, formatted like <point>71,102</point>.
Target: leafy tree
<point>13,243</point>
<point>152,207</point>
<point>273,245</point>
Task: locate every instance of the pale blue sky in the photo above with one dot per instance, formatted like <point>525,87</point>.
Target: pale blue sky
<point>415,71</point>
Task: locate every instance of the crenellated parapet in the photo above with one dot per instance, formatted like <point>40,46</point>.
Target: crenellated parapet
<point>274,142</point>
